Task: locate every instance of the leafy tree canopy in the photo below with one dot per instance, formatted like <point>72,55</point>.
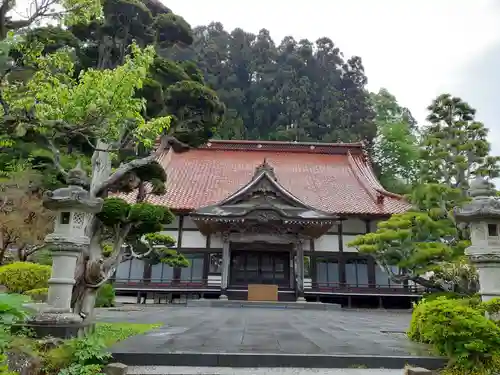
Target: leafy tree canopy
<point>293,90</point>
<point>455,146</point>
<point>453,150</point>
<point>100,91</point>
<point>13,18</point>
<point>395,149</point>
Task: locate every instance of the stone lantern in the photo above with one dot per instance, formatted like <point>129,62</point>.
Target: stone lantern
<point>482,213</point>
<point>74,210</point>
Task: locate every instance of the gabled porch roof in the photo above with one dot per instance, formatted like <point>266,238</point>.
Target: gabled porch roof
<point>263,205</point>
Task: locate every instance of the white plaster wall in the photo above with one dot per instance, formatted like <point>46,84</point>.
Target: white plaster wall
<point>130,270</point>
<point>193,239</point>
<point>334,229</point>
<point>122,271</point>
<point>306,245</point>
<point>215,242</point>
<point>348,238</point>
<point>354,226</point>
<point>373,225</point>
<point>188,223</point>
<point>161,272</point>
<point>174,224</point>
<point>171,232</point>
<point>328,242</point>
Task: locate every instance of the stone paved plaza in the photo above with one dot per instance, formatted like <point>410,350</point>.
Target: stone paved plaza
<point>265,330</point>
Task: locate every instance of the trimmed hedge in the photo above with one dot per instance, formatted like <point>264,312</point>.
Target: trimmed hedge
<point>39,295</point>
<point>449,295</point>
<point>105,296</point>
<point>459,330</point>
<point>19,277</point>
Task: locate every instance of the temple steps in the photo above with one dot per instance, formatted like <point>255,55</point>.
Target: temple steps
<point>275,360</point>
<point>176,370</point>
<point>263,304</point>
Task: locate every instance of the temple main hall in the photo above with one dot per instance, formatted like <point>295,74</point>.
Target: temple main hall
<point>277,214</point>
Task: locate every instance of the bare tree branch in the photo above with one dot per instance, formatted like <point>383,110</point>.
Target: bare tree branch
<point>103,187</point>
<point>140,256</point>
<point>57,158</point>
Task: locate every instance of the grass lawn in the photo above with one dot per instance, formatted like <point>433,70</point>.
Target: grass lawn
<point>76,351</point>
<point>111,333</point>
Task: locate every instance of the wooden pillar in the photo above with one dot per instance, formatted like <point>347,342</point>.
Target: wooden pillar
<point>299,272</point>
<point>313,267</point>
<point>341,258</point>
<point>225,266</point>
<point>206,261</point>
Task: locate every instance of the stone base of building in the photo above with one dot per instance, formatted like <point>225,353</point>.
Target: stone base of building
<point>263,304</point>
<point>55,329</point>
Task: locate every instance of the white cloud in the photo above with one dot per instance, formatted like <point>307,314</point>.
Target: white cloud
<point>414,48</point>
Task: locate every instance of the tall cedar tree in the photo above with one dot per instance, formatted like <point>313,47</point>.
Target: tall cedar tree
<point>454,149</point>
<point>291,91</point>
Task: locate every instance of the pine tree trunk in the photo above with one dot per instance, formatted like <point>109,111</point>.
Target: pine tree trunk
<point>89,271</point>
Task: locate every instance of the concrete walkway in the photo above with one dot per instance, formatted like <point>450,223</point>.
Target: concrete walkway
<point>266,337</point>
<point>265,330</point>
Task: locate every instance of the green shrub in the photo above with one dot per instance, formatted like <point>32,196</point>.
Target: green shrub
<point>12,308</point>
<point>81,370</point>
<point>105,296</point>
<point>458,329</point>
<point>450,295</point>
<point>39,295</point>
<point>4,368</point>
<point>474,299</point>
<point>79,355</point>
<point>19,277</point>
<point>491,307</point>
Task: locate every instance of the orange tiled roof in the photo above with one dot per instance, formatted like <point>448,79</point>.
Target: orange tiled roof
<point>335,178</point>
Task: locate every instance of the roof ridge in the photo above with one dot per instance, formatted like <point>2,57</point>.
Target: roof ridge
<point>279,146</point>
<point>251,141</point>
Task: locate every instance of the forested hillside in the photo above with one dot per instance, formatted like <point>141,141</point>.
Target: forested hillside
<point>288,90</point>
<point>301,91</point>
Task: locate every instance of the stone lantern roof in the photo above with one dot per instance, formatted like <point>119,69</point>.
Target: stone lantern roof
<point>484,203</point>
<point>74,196</point>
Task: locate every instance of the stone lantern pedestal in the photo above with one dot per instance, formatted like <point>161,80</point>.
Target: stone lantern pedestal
<point>482,213</point>
<point>75,210</point>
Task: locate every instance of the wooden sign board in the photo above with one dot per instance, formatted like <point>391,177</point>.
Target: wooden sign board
<point>262,292</point>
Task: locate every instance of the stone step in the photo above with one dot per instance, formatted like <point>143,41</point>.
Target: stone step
<point>176,370</point>
<point>267,360</point>
<point>263,304</point>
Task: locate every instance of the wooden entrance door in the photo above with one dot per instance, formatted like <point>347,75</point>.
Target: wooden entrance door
<point>260,267</point>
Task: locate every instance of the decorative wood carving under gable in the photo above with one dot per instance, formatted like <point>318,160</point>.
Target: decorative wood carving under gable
<point>263,206</point>
<point>264,189</point>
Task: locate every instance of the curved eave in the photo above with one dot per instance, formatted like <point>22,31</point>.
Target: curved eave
<point>476,214</point>
<point>308,228</point>
<point>72,204</point>
<point>216,212</point>
<point>365,171</point>
<point>291,221</point>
